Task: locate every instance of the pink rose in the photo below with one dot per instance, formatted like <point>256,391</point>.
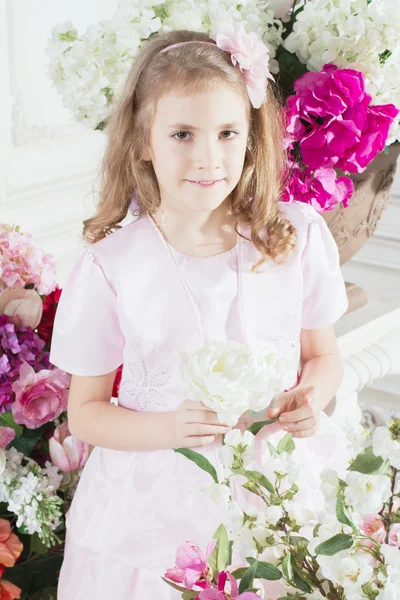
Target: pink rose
<point>190,565</point>
<point>7,434</point>
<point>25,304</point>
<point>66,451</point>
<point>331,118</point>
<point>39,397</point>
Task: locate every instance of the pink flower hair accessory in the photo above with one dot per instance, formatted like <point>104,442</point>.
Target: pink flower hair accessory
<point>249,52</point>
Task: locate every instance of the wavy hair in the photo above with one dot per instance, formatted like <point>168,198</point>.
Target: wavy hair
<point>193,68</point>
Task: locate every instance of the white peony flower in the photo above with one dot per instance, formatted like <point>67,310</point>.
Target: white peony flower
<point>385,446</point>
<point>232,378</point>
<point>366,493</point>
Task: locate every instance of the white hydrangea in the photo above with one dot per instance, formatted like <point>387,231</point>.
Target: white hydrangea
<point>89,70</point>
<point>219,493</point>
<point>353,34</point>
<point>366,493</point>
<point>385,446</point>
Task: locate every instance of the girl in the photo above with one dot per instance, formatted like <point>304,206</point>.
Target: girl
<point>213,255</point>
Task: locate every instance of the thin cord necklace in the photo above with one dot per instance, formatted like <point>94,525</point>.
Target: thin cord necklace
<point>187,288</point>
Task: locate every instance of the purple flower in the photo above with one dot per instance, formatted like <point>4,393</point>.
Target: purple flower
<point>331,118</point>
<point>18,344</point>
<point>320,188</point>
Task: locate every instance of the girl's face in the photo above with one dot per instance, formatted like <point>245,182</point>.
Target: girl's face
<point>198,138</point>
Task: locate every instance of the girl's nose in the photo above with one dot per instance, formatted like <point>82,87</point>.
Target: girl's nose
<point>207,156</point>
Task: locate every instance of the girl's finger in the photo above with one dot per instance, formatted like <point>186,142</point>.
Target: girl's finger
<point>198,405</point>
<point>203,416</point>
<point>299,414</point>
<point>300,425</point>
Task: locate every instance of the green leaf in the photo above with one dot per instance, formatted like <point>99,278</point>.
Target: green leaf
<point>261,479</point>
<point>299,582</point>
<point>189,595</point>
<point>200,460</point>
<point>238,573</point>
<point>254,428</point>
<point>222,548</point>
<point>271,448</point>
<point>342,516</point>
<point>267,571</point>
<point>287,567</point>
<point>248,578</point>
<point>26,442</point>
<point>37,546</point>
<point>335,544</point>
<point>366,462</point>
<point>286,444</point>
<point>7,420</point>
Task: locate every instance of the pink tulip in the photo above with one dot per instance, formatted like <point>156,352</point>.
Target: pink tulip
<point>7,434</point>
<point>66,451</point>
<point>25,304</point>
<point>190,566</point>
<point>222,594</point>
<point>39,397</point>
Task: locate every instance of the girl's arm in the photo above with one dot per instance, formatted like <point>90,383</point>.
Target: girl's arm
<point>96,421</point>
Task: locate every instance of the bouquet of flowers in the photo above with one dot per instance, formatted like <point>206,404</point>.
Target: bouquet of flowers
<point>345,548</point>
<point>40,462</point>
<point>336,63</point>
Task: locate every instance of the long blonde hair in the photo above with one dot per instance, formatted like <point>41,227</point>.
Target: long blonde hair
<point>192,67</point>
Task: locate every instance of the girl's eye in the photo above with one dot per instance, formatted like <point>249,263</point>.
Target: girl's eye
<point>184,133</point>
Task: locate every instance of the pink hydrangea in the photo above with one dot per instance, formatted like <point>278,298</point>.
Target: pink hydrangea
<point>331,118</point>
<point>39,397</point>
<point>320,188</point>
<point>22,262</point>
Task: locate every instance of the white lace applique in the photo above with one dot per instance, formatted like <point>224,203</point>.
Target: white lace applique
<point>288,344</point>
<point>145,376</point>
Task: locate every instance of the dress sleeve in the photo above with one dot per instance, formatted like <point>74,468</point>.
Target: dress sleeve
<point>324,291</point>
<point>87,337</point>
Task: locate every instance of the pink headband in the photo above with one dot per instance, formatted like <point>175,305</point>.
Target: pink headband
<point>247,50</point>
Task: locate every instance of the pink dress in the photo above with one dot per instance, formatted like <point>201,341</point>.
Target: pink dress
<point>133,299</point>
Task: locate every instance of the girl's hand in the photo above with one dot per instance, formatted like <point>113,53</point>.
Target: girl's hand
<point>196,425</point>
<point>297,411</point>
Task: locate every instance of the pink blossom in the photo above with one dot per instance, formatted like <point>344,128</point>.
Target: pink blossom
<point>22,303</point>
<point>320,188</point>
<point>331,118</point>
<point>7,434</point>
<point>190,566</point>
<point>66,451</point>
<point>250,52</point>
<point>222,594</point>
<point>39,397</point>
<point>373,526</point>
<point>24,262</point>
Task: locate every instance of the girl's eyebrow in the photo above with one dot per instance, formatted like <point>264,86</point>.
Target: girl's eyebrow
<point>186,126</point>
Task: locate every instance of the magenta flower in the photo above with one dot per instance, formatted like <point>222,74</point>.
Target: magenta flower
<point>320,188</point>
<point>331,118</point>
<point>190,566</point>
<point>39,397</point>
<point>222,594</point>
